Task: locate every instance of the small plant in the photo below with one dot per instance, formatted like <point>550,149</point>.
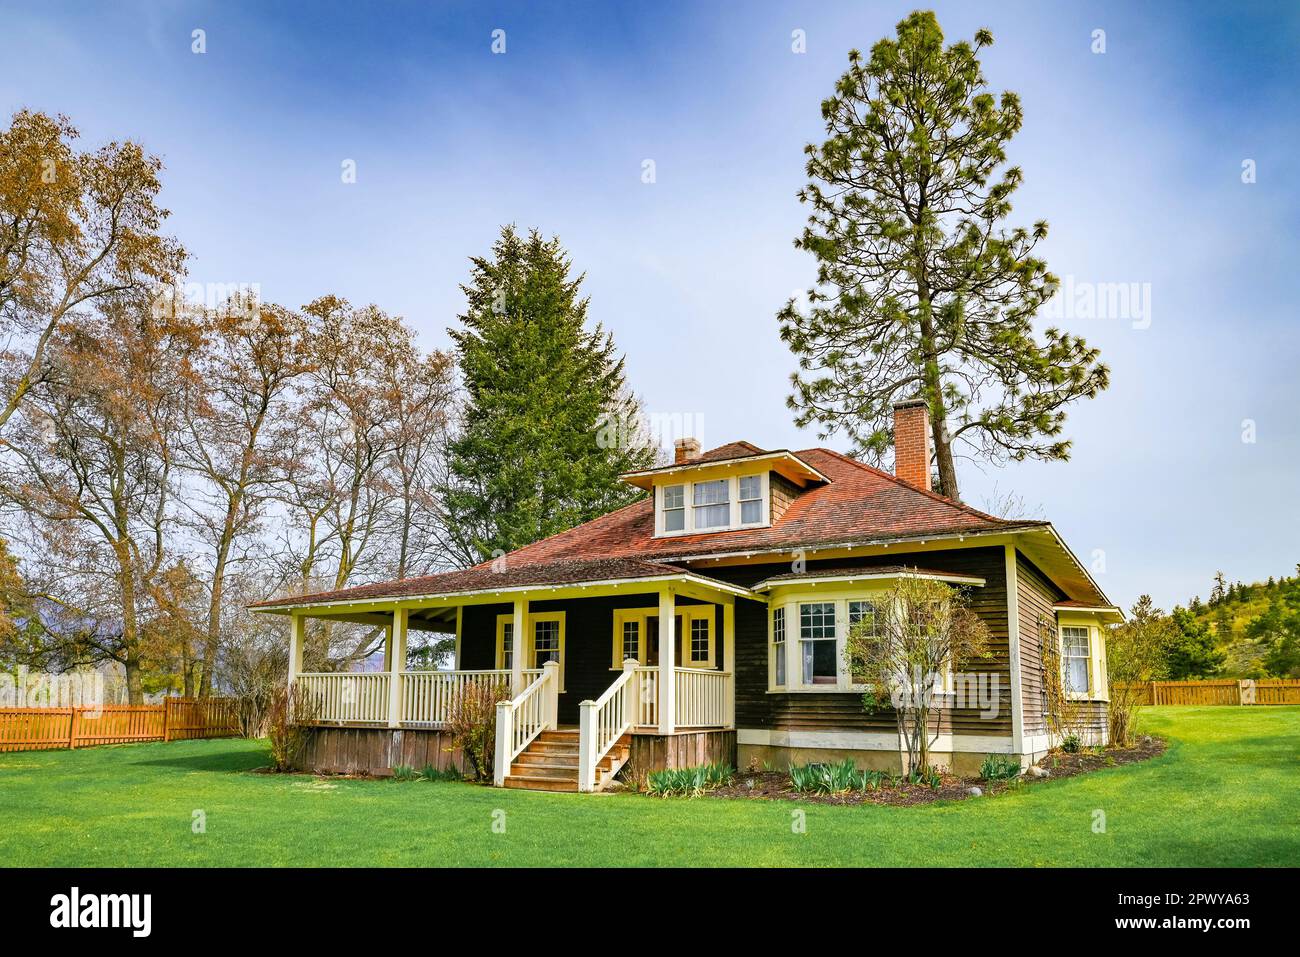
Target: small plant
<point>999,767</point>
<point>925,777</point>
<point>1070,744</point>
<point>404,772</point>
<point>450,773</point>
<point>823,778</point>
<point>689,782</point>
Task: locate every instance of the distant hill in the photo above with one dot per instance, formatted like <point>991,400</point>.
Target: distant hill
<point>1256,625</point>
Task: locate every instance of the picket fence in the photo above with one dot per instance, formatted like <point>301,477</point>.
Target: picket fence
<point>1226,691</point>
<point>176,719</point>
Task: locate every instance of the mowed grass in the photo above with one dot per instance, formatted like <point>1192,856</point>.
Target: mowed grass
<point>1227,793</point>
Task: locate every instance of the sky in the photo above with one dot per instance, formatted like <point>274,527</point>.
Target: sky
<point>1162,150</point>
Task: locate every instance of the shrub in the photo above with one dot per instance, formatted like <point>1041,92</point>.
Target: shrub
<point>1070,744</point>
<point>999,767</point>
<point>472,724</point>
<point>822,778</point>
<point>689,782</point>
<point>289,716</point>
<point>404,772</point>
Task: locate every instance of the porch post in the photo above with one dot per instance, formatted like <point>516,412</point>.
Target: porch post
<point>667,661</point>
<point>397,664</point>
<point>729,659</point>
<point>517,649</point>
<point>297,634</point>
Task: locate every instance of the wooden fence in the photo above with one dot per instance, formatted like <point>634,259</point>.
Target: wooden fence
<point>1221,691</point>
<point>176,719</point>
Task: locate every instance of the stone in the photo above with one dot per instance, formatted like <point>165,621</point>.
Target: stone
<point>1036,772</point>
<point>975,792</point>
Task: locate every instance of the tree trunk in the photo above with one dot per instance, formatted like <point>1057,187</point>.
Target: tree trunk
<point>933,379</point>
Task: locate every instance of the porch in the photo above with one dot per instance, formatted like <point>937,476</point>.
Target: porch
<point>569,709</point>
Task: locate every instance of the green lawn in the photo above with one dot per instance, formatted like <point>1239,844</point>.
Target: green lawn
<point>1226,793</point>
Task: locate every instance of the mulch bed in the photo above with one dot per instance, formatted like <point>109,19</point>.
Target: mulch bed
<point>776,784</point>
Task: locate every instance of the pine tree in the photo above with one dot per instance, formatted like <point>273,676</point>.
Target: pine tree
<point>532,458</point>
<point>921,289</point>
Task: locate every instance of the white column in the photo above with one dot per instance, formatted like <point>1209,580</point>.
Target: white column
<point>667,661</point>
<point>397,665</point>
<point>587,746</point>
<point>517,649</point>
<point>505,735</point>
<point>297,635</point>
<point>456,665</point>
<point>729,658</point>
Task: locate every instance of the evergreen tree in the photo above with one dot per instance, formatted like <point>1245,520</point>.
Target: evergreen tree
<point>921,288</point>
<point>1193,653</point>
<point>533,457</point>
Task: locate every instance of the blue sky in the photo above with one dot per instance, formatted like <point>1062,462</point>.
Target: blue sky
<point>1134,155</point>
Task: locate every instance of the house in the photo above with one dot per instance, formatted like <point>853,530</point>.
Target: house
<point>707,621</point>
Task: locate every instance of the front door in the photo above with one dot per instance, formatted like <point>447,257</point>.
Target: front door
<point>652,640</point>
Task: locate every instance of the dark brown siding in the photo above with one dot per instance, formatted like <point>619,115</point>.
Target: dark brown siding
<point>588,641</point>
<point>1036,595</point>
<point>757,709</point>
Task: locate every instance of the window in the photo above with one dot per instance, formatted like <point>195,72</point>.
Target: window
<point>778,647</point>
<point>712,504</point>
<point>674,508</point>
<point>861,611</point>
<point>1074,659</point>
<point>507,646</point>
<point>751,499</point>
<point>546,642</point>
<point>699,640</point>
<point>817,643</point>
<point>631,639</point>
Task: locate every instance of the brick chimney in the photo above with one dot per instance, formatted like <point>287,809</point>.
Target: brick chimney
<point>685,450</point>
<point>912,442</point>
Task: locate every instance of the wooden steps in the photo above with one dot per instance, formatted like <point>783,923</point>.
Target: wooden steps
<point>550,763</point>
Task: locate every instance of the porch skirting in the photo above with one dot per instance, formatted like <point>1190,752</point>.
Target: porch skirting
<point>685,749</point>
<point>375,751</point>
<point>879,751</point>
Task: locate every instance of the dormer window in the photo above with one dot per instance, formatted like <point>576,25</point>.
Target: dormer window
<point>712,505</point>
<point>674,510</point>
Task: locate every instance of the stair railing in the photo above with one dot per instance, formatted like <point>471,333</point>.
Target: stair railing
<point>603,721</point>
<point>521,719</point>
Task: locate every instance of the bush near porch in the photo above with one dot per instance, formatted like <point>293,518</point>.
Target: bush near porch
<point>1227,793</point>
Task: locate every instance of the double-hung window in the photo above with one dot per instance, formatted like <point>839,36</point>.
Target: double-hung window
<point>712,504</point>
<point>1074,659</point>
<point>674,508</point>
<point>751,499</point>
<point>778,647</point>
<point>817,650</point>
<point>861,613</point>
<point>546,642</point>
<point>507,645</point>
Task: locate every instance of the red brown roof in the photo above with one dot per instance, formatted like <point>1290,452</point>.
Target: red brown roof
<point>490,577</point>
<point>858,504</point>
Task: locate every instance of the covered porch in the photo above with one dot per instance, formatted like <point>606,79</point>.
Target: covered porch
<point>601,659</point>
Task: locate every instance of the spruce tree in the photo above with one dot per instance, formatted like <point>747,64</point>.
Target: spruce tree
<point>533,456</point>
<point>922,291</point>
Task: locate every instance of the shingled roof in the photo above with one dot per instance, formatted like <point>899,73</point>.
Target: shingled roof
<point>857,504</point>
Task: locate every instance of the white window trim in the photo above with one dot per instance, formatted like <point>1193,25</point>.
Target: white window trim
<point>733,493</point>
<point>1089,693</point>
<point>528,644</point>
<point>687,613</point>
<point>791,600</point>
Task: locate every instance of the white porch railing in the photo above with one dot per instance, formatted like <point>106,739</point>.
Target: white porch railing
<point>361,698</point>
<point>603,721</point>
<point>522,719</point>
<point>645,696</point>
<point>427,696</point>
<point>702,698</point>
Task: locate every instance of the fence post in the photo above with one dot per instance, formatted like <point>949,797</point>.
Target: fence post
<point>1154,695</point>
<point>167,714</point>
<point>72,729</point>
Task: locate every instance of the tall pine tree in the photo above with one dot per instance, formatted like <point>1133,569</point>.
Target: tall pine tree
<point>921,289</point>
<point>533,457</point>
